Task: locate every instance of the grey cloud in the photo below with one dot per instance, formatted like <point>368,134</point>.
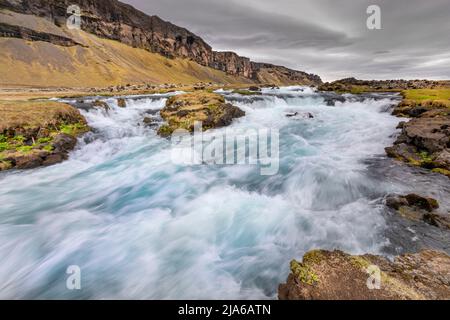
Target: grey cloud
<point>327,37</point>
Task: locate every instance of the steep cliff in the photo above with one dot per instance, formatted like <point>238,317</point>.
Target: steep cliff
<point>114,20</point>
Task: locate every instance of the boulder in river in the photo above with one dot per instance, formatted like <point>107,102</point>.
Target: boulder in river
<point>418,208</point>
<point>306,115</point>
<point>99,104</point>
<point>182,111</point>
<point>121,103</point>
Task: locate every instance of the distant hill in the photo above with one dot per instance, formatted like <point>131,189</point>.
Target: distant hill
<point>117,44</point>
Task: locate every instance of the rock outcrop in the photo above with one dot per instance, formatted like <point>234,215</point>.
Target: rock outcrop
<point>11,31</point>
<point>325,275</point>
<point>183,111</point>
<point>34,134</point>
<point>418,208</point>
<point>114,20</point>
<point>425,140</point>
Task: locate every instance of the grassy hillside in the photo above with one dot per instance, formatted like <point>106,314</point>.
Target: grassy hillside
<point>98,63</point>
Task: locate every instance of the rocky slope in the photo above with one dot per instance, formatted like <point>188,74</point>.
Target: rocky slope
<point>325,275</point>
<point>114,20</point>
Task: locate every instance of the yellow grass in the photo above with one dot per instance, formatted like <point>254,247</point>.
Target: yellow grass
<point>100,63</point>
<point>34,114</point>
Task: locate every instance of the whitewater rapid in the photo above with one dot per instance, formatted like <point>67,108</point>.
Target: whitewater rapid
<point>141,227</point>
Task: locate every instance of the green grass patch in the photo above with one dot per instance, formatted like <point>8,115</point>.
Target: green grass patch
<point>247,92</point>
<point>48,148</point>
<point>422,95</point>
<point>73,129</point>
<point>425,156</point>
<point>19,139</point>
<point>303,273</point>
<point>24,149</point>
<point>44,140</point>
<point>4,146</point>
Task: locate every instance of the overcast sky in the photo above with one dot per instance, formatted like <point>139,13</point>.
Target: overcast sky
<point>326,37</point>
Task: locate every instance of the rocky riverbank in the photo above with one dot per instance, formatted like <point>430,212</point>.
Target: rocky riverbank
<point>325,275</point>
<point>34,134</point>
<point>425,140</point>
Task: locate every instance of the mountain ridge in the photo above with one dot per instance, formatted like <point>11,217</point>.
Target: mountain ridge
<point>114,20</point>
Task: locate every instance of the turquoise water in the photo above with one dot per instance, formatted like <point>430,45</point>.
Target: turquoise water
<point>142,227</point>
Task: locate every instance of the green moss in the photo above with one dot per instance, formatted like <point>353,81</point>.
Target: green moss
<point>74,129</point>
<point>313,257</point>
<point>413,162</point>
<point>360,262</point>
<point>19,139</point>
<point>4,146</point>
<point>3,138</point>
<point>246,92</point>
<point>48,148</point>
<point>24,149</point>
<point>303,273</point>
<point>44,140</point>
<point>165,130</point>
<point>442,171</point>
<point>425,156</point>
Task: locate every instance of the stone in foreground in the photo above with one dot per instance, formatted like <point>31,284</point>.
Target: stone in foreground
<point>325,275</point>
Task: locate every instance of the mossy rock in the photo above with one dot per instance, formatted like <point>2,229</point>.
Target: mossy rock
<point>247,92</point>
<point>28,131</point>
<point>183,111</point>
<point>303,273</point>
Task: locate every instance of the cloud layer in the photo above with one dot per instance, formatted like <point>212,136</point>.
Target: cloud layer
<point>326,37</point>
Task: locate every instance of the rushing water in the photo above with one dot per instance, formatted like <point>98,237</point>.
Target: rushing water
<point>142,227</point>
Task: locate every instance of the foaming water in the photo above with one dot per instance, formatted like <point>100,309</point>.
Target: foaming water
<point>142,227</point>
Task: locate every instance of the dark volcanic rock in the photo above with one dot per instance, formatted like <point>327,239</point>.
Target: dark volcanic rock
<point>121,103</point>
<point>63,143</point>
<point>418,208</point>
